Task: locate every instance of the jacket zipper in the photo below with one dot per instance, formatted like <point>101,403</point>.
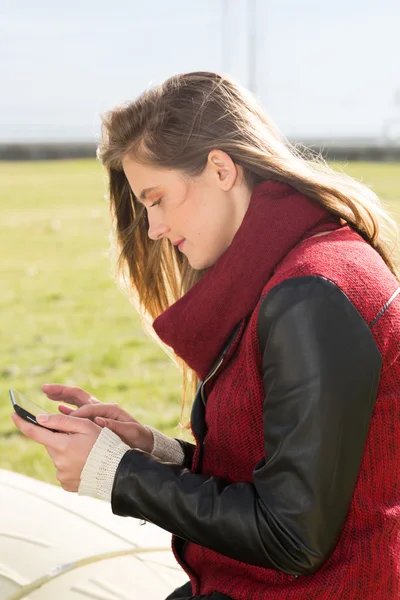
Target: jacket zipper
<point>209,377</point>
<point>215,369</point>
<point>202,384</point>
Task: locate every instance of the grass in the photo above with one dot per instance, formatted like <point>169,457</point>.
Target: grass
<point>63,317</point>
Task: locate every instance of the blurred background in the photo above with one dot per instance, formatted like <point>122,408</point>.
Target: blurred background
<point>327,73</point>
<point>324,71</point>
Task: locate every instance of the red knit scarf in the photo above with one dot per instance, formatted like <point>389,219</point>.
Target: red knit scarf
<point>199,323</point>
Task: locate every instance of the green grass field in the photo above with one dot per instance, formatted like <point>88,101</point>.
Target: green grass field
<point>63,317</point>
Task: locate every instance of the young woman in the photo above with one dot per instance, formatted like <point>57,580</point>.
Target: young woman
<point>271,278</point>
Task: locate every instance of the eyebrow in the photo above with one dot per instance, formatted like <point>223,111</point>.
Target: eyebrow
<point>146,191</point>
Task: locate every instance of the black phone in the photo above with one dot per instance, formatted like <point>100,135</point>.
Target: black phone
<point>27,409</point>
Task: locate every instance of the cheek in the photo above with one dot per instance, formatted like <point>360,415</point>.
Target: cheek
<point>209,243</point>
<point>204,226</point>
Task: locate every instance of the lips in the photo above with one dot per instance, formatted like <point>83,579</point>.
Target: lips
<point>180,245</point>
<point>178,242</point>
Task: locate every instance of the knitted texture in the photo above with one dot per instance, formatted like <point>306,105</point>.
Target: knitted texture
<point>166,448</point>
<point>97,477</point>
<point>365,564</point>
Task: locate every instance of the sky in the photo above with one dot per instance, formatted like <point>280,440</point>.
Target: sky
<point>321,70</point>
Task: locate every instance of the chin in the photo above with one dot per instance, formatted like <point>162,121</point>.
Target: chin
<point>197,266</point>
<point>200,265</point>
<point>206,262</point>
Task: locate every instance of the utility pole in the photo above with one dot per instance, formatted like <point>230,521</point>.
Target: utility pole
<point>252,44</point>
<point>225,35</point>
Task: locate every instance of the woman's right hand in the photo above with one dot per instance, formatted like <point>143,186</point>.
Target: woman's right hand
<point>109,415</point>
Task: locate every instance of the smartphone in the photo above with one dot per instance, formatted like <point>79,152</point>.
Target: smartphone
<point>27,409</point>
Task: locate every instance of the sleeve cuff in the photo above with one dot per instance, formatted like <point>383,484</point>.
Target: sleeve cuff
<point>97,477</point>
<point>165,448</point>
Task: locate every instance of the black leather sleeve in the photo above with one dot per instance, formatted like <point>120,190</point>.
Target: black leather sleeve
<point>320,370</point>
<point>189,450</point>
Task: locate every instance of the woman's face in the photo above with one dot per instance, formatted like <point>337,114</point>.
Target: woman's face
<point>205,211</point>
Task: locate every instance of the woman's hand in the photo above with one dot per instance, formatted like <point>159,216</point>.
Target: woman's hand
<point>70,394</point>
<point>68,452</point>
<point>120,422</point>
<point>103,414</point>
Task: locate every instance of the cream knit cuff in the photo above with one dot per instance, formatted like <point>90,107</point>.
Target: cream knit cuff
<point>98,473</point>
<point>165,448</point>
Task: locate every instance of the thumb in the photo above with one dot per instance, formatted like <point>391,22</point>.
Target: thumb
<point>65,423</point>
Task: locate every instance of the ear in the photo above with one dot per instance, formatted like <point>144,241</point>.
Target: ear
<point>223,168</point>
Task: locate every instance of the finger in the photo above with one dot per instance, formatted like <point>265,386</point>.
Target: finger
<point>38,434</point>
<point>66,423</point>
<point>108,411</point>
<point>128,432</point>
<point>67,393</point>
<point>67,484</point>
<point>66,410</point>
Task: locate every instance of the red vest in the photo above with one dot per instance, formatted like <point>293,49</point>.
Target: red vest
<point>366,561</point>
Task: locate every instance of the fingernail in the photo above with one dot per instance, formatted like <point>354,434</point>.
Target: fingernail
<point>42,418</point>
<point>100,421</point>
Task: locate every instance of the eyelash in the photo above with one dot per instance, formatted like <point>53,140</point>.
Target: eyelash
<point>155,203</point>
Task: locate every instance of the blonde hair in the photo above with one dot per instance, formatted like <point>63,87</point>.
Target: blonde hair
<point>175,125</point>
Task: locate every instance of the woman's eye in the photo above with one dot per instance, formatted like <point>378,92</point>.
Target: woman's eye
<point>155,203</point>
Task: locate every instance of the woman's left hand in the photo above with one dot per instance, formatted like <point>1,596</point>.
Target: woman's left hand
<point>68,452</point>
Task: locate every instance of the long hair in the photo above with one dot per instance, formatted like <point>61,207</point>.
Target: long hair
<point>175,125</point>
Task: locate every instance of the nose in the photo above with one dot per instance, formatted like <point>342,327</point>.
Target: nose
<point>157,228</point>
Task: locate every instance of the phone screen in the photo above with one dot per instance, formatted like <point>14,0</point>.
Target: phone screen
<point>26,408</point>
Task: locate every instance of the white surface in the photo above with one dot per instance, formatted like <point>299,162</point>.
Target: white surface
<point>58,545</point>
